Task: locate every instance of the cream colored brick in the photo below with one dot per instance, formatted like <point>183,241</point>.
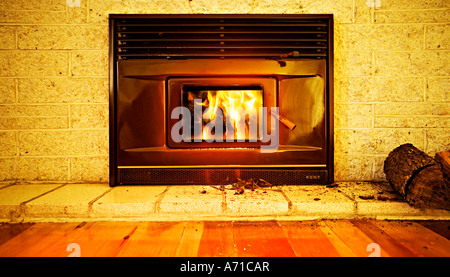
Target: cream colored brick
<point>89,116</point>
<point>318,200</point>
<point>379,89</point>
<point>438,140</point>
<point>375,141</point>
<point>7,91</point>
<point>412,122</point>
<point>12,197</point>
<point>256,203</point>
<point>48,143</point>
<point>67,37</point>
<point>353,63</point>
<point>78,14</point>
<point>376,37</point>
<point>224,6</point>
<point>378,174</point>
<point>412,16</point>
<point>282,6</point>
<point>188,200</point>
<point>71,200</point>
<point>89,169</point>
<point>411,4</point>
<point>353,116</point>
<point>21,5</point>
<point>63,90</point>
<point>33,110</point>
<point>89,63</point>
<point>363,12</point>
<point>89,142</point>
<point>437,36</point>
<point>16,123</point>
<point>412,63</point>
<point>99,10</point>
<point>33,63</point>
<point>63,143</point>
<point>342,11</point>
<point>34,169</point>
<point>353,168</point>
<point>33,17</point>
<point>438,89</point>
<point>7,37</point>
<point>128,201</point>
<point>395,207</point>
<point>8,144</point>
<point>412,109</point>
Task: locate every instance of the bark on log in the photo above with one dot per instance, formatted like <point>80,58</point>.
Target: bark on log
<point>402,163</point>
<point>418,177</point>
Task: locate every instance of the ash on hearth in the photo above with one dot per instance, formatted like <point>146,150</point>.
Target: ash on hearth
<point>241,185</point>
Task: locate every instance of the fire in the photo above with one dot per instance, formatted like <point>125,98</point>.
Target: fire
<point>237,107</point>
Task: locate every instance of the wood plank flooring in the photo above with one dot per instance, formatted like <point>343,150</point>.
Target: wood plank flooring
<point>323,238</point>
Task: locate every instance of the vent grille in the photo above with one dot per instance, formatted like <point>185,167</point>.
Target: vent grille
<point>221,37</point>
<point>219,176</point>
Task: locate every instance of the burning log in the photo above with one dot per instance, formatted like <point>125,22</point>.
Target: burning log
<point>419,178</point>
<point>286,122</point>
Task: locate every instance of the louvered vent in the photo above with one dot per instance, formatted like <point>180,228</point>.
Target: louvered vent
<point>159,37</point>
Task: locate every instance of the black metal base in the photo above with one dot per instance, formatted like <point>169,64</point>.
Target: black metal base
<point>158,176</point>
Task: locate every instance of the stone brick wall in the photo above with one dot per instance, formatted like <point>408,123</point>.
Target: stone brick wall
<point>392,82</point>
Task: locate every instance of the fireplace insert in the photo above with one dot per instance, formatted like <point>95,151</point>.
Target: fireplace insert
<point>210,99</point>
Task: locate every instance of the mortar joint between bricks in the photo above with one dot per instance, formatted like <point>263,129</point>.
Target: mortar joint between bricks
<point>159,200</point>
<point>91,203</point>
<point>287,199</point>
<point>355,203</point>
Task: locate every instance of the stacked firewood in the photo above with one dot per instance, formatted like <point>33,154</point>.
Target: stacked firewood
<point>423,181</point>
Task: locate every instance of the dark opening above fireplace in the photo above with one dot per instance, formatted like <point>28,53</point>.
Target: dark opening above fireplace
<point>207,99</point>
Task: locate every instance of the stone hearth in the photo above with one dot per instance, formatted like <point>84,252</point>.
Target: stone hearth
<point>64,202</point>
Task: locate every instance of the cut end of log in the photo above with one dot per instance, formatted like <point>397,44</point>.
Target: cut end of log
<point>423,181</point>
<point>444,159</point>
<point>428,189</point>
<point>402,163</point>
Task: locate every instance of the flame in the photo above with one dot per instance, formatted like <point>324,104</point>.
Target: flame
<point>234,104</point>
<point>206,133</point>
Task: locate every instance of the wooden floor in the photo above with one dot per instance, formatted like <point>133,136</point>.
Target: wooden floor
<point>327,238</point>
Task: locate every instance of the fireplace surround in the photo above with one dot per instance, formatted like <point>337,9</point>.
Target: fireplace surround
<point>208,99</point>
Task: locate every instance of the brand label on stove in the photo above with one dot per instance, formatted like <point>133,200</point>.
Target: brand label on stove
<point>313,177</point>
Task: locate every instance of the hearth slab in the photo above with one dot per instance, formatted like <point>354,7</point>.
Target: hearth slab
<point>57,202</point>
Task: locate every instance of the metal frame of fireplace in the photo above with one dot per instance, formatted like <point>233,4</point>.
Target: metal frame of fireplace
<point>152,57</point>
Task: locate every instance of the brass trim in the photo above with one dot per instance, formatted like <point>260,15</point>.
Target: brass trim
<point>219,166</point>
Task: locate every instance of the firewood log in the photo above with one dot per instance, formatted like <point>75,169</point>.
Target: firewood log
<point>444,159</point>
<point>402,163</point>
<point>428,189</point>
<point>419,178</point>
